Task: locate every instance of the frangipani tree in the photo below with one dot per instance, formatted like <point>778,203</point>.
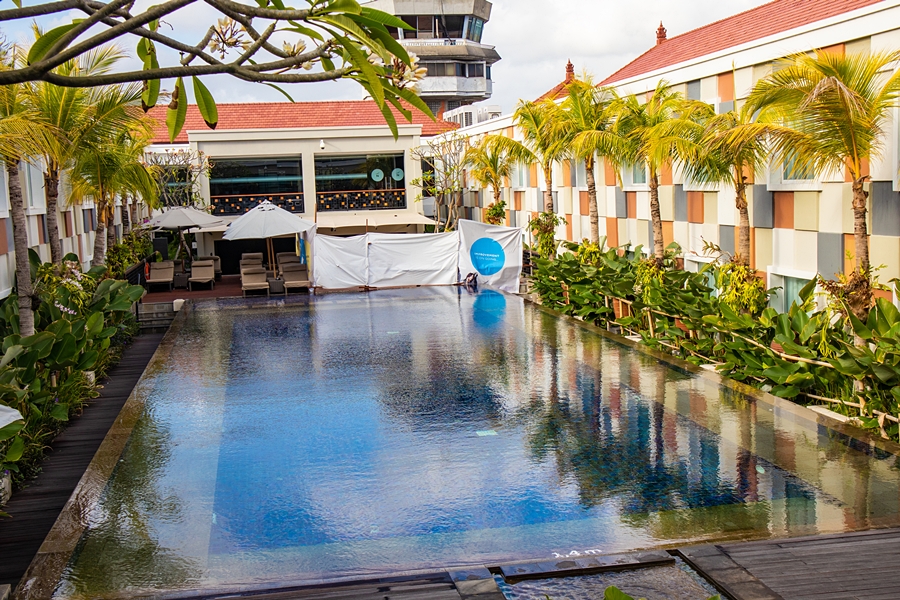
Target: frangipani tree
<point>489,164</point>
<point>836,109</point>
<point>266,41</point>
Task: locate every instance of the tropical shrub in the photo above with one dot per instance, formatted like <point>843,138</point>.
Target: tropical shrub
<point>805,354</point>
<point>544,229</point>
<point>134,247</point>
<point>495,214</point>
<point>81,322</point>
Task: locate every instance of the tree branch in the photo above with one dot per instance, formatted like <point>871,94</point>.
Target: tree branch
<point>264,13</point>
<point>241,72</point>
<point>86,24</point>
<point>38,10</point>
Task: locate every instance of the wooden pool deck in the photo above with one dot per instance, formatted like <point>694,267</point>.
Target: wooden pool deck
<point>35,509</point>
<point>860,565</point>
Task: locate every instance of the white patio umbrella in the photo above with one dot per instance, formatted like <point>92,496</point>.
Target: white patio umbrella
<point>265,221</point>
<point>8,415</point>
<point>183,218</point>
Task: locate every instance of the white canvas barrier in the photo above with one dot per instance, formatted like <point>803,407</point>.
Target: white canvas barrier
<point>340,262</point>
<point>494,252</point>
<point>413,259</point>
<point>394,260</point>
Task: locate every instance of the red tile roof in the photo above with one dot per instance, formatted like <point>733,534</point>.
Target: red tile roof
<point>559,90</point>
<point>276,115</point>
<point>756,23</point>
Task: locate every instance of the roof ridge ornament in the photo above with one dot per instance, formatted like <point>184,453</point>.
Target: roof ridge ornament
<point>660,34</point>
<point>570,72</point>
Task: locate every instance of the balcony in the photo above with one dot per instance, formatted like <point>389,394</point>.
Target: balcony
<point>361,200</point>
<point>241,203</point>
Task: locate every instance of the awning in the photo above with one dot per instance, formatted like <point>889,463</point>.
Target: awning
<point>372,218</point>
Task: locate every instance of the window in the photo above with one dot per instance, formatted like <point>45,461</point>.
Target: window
<point>360,173</point>
<point>88,218</point>
<point>639,173</point>
<point>487,71</point>
<point>451,26</point>
<point>256,177</point>
<point>476,70</point>
<point>580,174</point>
<point>460,70</point>
<point>423,27</point>
<point>476,26</point>
<point>440,69</point>
<point>792,171</point>
<point>791,291</point>
<point>520,176</point>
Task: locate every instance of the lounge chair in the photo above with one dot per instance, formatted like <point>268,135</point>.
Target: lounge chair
<point>254,278</point>
<point>162,272</point>
<point>257,256</point>
<point>250,263</point>
<point>295,275</point>
<point>287,259</point>
<point>202,271</point>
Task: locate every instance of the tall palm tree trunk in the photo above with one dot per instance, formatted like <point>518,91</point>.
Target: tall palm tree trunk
<point>126,218</point>
<point>860,297</point>
<point>51,185</point>
<point>111,237</point>
<point>99,239</point>
<point>24,288</point>
<point>743,249</point>
<point>592,200</point>
<point>659,249</point>
<point>548,193</point>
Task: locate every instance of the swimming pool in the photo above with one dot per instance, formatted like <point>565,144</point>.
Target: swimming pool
<point>361,434</point>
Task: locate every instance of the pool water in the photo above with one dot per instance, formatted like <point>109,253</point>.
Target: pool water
<point>361,434</point>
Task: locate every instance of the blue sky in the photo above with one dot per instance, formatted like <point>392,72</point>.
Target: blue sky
<point>534,37</point>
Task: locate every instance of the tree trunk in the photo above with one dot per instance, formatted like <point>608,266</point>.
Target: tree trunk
<point>861,235</point>
<point>99,240</point>
<point>111,231</point>
<point>592,200</point>
<point>51,185</point>
<point>548,193</point>
<point>743,249</point>
<point>20,238</point>
<point>659,249</point>
<point>126,218</point>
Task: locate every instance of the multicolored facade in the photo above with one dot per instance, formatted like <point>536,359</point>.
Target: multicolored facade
<point>800,226</point>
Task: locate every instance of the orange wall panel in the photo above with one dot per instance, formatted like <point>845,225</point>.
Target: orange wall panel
<point>566,173</point>
<point>569,235</point>
<point>665,174</point>
<point>584,203</point>
<point>695,207</point>
<point>517,200</point>
<point>609,171</point>
<point>849,252</point>
<point>668,228</point>
<point>612,232</point>
<point>532,175</point>
<point>631,205</point>
<point>864,165</point>
<point>836,49</point>
<point>784,210</point>
<point>726,86</point>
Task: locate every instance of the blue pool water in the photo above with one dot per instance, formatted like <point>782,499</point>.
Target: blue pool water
<point>400,430</point>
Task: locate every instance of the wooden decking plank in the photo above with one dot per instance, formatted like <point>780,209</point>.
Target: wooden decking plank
<point>35,508</point>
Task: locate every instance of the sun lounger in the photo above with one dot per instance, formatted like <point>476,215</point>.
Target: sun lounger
<point>254,278</point>
<point>295,276</point>
<point>202,271</point>
<point>287,259</point>
<point>258,256</point>
<point>162,272</point>
<point>250,263</point>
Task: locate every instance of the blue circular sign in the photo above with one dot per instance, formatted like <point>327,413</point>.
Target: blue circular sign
<point>487,256</point>
<point>377,175</point>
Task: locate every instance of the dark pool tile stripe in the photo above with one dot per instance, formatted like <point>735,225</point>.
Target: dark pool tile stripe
<point>726,575</point>
<point>584,566</point>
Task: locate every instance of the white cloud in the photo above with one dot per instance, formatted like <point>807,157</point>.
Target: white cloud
<point>534,37</point>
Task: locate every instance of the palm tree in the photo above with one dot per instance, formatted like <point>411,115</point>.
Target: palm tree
<point>109,167</point>
<point>544,142</point>
<point>587,118</point>
<point>78,115</point>
<point>489,164</point>
<point>725,149</point>
<point>650,133</point>
<point>21,134</point>
<point>836,109</point>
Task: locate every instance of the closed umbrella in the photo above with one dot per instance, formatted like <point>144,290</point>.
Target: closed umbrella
<point>265,221</point>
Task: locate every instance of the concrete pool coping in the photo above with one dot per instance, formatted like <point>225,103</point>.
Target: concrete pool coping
<point>45,571</point>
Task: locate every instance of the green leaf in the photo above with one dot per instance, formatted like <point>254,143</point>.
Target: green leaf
<point>807,290</point>
<point>177,112</point>
<point>88,359</point>
<point>94,324</point>
<point>206,104</point>
<point>361,61</point>
<point>11,430</point>
<point>384,18</point>
<point>858,327</point>
<point>42,45</point>
<point>286,95</point>
<point>11,354</point>
<point>303,30</point>
<point>345,6</point>
<point>60,412</point>
<point>15,450</point>
<point>614,593</point>
<point>382,35</point>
